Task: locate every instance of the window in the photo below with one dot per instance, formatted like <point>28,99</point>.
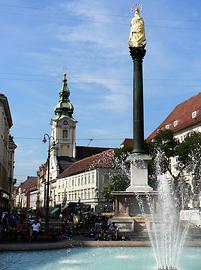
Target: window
<point>65,123</point>
<point>65,134</point>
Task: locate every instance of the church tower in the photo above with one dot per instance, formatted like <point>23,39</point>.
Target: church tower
<point>63,132</point>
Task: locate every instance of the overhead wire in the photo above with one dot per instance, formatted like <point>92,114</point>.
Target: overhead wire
<point>79,139</point>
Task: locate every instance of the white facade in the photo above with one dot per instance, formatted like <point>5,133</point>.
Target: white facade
<point>180,136</point>
<point>63,142</point>
<point>84,187</point>
<point>33,199</point>
<point>63,134</point>
<point>21,199</point>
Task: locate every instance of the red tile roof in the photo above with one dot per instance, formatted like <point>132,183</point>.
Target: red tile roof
<point>87,151</point>
<point>128,142</point>
<point>184,115</point>
<point>29,185</point>
<point>101,160</point>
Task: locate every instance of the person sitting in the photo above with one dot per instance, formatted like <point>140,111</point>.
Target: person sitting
<point>35,229</point>
<point>113,231</point>
<point>109,222</point>
<point>19,230</point>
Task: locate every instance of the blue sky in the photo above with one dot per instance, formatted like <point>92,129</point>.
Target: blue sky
<point>89,37</point>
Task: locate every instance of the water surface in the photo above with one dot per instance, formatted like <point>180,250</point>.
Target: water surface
<point>93,259</point>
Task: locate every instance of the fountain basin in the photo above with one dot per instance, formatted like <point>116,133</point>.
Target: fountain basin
<point>106,258</point>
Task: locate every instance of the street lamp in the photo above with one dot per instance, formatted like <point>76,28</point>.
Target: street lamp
<point>45,139</point>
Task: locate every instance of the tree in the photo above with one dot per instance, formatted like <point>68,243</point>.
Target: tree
<point>119,176</point>
<point>189,157</point>
<point>162,149</point>
<point>164,152</point>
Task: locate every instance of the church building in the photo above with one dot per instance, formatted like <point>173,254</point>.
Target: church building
<point>63,149</point>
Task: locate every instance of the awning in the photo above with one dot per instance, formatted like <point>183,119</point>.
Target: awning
<point>54,210</point>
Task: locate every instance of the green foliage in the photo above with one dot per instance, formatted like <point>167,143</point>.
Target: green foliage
<point>166,145</point>
<point>164,142</point>
<point>189,157</point>
<point>117,183</point>
<point>189,151</point>
<point>119,180</point>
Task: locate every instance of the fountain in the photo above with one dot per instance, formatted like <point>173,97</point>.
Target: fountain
<point>166,233</point>
<point>158,208</point>
<point>162,220</point>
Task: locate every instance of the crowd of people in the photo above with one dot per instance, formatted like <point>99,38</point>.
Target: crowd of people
<point>93,226</point>
<point>18,227</point>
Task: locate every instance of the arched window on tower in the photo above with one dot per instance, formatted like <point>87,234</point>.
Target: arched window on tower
<point>65,134</point>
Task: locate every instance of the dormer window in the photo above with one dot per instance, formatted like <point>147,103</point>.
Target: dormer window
<point>175,123</point>
<point>167,126</point>
<point>194,114</point>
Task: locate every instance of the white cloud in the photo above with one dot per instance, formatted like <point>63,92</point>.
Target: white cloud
<point>95,24</point>
<point>117,97</point>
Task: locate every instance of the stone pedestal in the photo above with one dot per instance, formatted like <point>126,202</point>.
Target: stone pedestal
<point>139,173</point>
<point>137,198</point>
<point>127,208</point>
<point>127,204</point>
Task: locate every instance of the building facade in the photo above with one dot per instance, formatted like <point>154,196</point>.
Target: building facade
<point>84,181</point>
<point>63,150</point>
<point>42,177</point>
<point>184,119</point>
<point>7,149</point>
<point>27,193</point>
<point>63,133</point>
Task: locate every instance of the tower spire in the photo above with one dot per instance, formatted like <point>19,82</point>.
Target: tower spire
<point>64,106</point>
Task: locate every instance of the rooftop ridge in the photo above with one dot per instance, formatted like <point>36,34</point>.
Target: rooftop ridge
<point>86,162</point>
<point>183,114</point>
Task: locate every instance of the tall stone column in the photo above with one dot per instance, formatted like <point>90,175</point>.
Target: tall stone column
<point>137,55</point>
<point>138,159</point>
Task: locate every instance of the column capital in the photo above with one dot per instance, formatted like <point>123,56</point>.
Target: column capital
<point>137,53</point>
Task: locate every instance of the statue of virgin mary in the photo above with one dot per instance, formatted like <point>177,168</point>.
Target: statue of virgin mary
<point>137,34</point>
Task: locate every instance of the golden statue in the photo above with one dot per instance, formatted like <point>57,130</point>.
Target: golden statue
<point>137,34</point>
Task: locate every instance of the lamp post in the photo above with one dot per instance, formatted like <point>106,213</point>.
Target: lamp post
<point>45,139</point>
